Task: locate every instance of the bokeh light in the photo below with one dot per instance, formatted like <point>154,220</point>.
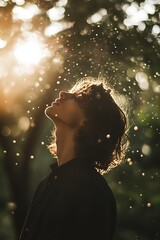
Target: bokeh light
<point>31,50</point>
<point>26,12</point>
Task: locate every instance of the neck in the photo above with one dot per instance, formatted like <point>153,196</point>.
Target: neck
<point>65,145</point>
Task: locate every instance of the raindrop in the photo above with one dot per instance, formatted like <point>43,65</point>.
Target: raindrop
<point>146,149</point>
<point>47,86</point>
<point>36,84</point>
<point>149,205</point>
<point>136,128</point>
<point>108,136</point>
<point>23,123</point>
<point>11,205</point>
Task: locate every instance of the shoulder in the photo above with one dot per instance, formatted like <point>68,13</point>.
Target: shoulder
<point>96,202</point>
<point>95,187</point>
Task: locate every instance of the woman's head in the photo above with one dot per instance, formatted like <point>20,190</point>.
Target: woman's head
<point>100,139</point>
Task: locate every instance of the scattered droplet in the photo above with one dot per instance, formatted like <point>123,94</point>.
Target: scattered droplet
<point>136,128</point>
<point>108,136</point>
<point>149,205</point>
<point>36,84</point>
<point>11,205</point>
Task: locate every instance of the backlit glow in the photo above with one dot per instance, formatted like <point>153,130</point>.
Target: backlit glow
<point>3,3</point>
<point>30,51</point>
<point>146,150</point>
<point>56,13</point>
<point>142,80</point>
<point>156,30</point>
<point>57,27</point>
<point>25,13</point>
<point>61,3</point>
<point>19,2</point>
<point>138,13</point>
<point>97,16</point>
<point>3,43</point>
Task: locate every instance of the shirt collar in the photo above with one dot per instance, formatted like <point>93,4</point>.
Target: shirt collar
<point>72,166</point>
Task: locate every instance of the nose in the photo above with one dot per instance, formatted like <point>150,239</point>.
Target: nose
<point>62,95</point>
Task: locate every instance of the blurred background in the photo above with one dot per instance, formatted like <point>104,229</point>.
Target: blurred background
<point>45,46</point>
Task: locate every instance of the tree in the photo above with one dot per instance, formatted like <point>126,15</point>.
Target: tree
<point>76,39</point>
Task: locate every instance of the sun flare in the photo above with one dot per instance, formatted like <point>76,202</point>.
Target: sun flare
<point>30,51</point>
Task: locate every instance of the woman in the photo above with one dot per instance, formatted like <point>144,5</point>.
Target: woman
<point>74,201</point>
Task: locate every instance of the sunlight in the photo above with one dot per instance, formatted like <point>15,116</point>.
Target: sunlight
<point>57,27</point>
<point>30,51</point>
<point>25,13</point>
<point>97,16</point>
<point>3,43</point>
<point>138,13</point>
<point>142,79</point>
<point>56,13</point>
<point>19,2</point>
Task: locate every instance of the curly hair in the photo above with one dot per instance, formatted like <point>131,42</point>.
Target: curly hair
<point>101,140</point>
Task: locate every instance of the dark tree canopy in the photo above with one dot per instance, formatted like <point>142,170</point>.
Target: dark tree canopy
<point>45,46</point>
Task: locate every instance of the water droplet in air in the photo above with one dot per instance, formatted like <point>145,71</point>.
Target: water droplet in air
<point>11,205</point>
<point>149,205</point>
<point>108,136</point>
<point>136,128</point>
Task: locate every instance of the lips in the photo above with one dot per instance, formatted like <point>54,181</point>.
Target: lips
<point>57,101</point>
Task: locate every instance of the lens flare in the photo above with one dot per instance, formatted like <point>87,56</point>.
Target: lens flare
<point>30,51</point>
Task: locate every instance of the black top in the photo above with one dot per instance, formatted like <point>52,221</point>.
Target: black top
<point>74,202</point>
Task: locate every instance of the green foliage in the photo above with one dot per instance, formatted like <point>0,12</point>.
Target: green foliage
<point>126,54</point>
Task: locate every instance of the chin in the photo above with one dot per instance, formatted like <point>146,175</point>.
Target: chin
<point>48,111</point>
